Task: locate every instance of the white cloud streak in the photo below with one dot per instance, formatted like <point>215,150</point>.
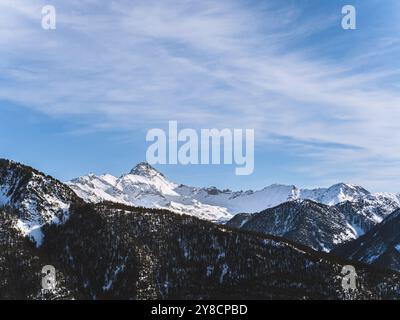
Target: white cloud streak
<point>136,64</point>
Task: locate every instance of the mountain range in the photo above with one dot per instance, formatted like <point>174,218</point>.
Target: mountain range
<point>338,214</point>
<point>141,236</point>
<point>147,187</point>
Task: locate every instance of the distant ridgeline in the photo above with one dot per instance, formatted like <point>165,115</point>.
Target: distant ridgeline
<point>109,250</point>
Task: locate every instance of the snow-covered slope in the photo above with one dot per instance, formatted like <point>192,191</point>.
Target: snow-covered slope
<point>36,198</point>
<point>145,186</point>
<point>365,212</point>
<point>335,194</point>
<point>339,214</point>
<point>313,224</point>
<point>380,246</point>
<point>317,225</point>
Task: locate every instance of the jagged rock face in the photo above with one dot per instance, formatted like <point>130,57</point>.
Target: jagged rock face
<point>37,198</point>
<point>115,251</point>
<point>313,224</point>
<point>380,246</point>
<point>145,170</point>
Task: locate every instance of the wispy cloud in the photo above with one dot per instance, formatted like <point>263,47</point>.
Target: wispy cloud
<point>135,64</point>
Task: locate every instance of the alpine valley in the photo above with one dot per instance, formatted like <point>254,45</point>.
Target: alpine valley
<point>141,236</point>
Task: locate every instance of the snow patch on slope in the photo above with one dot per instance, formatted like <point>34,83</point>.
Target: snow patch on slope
<point>37,199</point>
<point>4,199</point>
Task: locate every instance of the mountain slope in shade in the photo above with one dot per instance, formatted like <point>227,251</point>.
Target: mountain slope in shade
<point>21,264</point>
<point>37,199</point>
<point>115,251</point>
<point>366,212</point>
<point>317,225</point>
<point>380,246</point>
<point>307,222</point>
<point>145,186</point>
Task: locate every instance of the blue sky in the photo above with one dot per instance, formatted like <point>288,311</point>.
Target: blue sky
<point>324,102</point>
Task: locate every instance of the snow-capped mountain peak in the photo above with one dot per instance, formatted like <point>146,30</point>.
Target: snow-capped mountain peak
<point>335,194</point>
<point>147,187</point>
<point>144,169</point>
